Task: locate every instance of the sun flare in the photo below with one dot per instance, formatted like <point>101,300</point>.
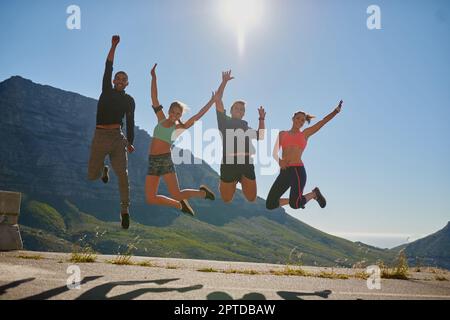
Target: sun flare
<point>242,16</point>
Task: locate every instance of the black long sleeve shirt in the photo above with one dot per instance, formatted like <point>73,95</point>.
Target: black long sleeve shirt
<point>114,105</point>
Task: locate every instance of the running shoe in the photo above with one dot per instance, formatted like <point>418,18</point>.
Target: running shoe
<point>209,194</point>
<point>320,198</point>
<point>186,208</point>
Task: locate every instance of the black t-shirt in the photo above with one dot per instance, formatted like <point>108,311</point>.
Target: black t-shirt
<point>113,105</point>
<point>241,133</point>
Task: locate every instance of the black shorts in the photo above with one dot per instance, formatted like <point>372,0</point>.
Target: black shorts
<point>235,172</point>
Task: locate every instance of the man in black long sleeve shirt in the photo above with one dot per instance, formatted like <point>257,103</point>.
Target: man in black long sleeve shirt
<point>113,105</point>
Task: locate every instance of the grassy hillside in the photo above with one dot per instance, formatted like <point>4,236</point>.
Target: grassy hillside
<point>432,250</point>
<point>256,239</point>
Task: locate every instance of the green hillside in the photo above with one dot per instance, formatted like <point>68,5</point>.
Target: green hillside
<point>432,250</point>
<point>256,239</point>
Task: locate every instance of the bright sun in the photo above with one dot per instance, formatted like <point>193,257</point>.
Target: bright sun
<point>241,15</point>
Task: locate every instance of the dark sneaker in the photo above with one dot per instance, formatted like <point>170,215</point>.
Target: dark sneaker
<point>186,208</point>
<point>320,198</point>
<point>125,214</point>
<point>209,194</point>
<point>125,220</point>
<point>105,176</point>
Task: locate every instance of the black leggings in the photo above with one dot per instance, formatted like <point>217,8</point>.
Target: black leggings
<point>291,177</point>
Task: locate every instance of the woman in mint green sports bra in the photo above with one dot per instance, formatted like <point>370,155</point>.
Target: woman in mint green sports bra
<point>160,159</point>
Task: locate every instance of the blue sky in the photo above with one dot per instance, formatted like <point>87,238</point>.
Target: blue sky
<point>382,162</point>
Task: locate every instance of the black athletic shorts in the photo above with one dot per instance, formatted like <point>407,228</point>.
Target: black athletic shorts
<point>235,172</point>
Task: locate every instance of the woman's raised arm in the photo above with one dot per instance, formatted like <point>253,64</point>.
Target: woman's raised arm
<point>199,114</point>
<point>308,132</point>
<point>154,93</point>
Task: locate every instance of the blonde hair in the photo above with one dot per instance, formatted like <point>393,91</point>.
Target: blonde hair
<point>180,105</point>
<point>308,116</point>
<point>237,102</point>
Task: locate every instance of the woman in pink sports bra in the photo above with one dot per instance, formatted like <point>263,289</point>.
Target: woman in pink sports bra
<point>293,174</point>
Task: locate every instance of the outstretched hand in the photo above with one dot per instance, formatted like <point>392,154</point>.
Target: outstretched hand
<point>338,108</point>
<point>226,76</point>
<point>262,113</point>
<point>115,40</point>
<point>213,97</point>
<point>153,72</point>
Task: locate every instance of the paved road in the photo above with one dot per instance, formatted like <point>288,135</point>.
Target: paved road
<point>46,278</point>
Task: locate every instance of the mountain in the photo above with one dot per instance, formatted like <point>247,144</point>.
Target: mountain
<point>433,250</point>
<point>44,146</point>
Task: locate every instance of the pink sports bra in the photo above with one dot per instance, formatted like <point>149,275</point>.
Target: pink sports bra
<point>288,139</point>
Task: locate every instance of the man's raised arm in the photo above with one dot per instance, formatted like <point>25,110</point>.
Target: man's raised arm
<point>107,76</point>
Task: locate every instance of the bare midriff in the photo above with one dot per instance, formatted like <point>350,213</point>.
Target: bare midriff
<point>159,147</point>
<point>108,126</point>
<point>292,155</point>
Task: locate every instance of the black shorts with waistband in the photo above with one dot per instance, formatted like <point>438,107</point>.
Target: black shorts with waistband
<point>233,171</point>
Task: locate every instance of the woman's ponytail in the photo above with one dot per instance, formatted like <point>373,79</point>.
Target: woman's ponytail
<point>308,116</point>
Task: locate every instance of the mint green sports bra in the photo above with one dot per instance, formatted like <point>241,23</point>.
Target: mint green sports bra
<point>162,133</point>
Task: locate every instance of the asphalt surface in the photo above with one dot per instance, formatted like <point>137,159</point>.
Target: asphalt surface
<point>38,275</point>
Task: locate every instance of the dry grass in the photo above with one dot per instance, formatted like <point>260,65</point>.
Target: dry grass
<point>440,278</point>
<point>83,257</point>
<point>289,271</point>
<point>393,274</point>
<point>146,264</point>
<point>248,272</point>
<point>361,275</point>
<point>399,272</point>
<point>436,270</point>
<point>122,260</point>
<point>82,252</point>
<point>30,257</point>
<point>125,260</point>
<point>331,275</point>
<point>207,270</point>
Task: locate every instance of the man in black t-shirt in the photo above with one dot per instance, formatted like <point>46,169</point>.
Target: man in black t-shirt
<point>237,162</point>
<point>112,106</point>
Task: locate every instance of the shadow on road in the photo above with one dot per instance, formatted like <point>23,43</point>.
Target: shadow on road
<point>100,292</point>
<point>54,292</point>
<point>14,284</point>
<point>219,295</point>
<point>288,295</point>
